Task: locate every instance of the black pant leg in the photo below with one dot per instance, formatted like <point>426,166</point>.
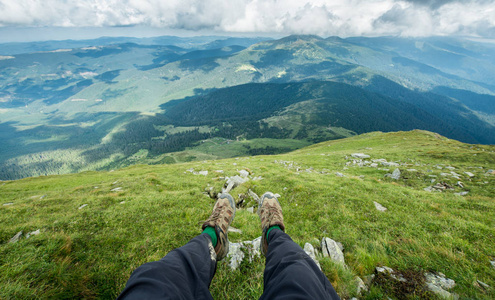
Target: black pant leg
<point>291,274</point>
<point>184,273</point>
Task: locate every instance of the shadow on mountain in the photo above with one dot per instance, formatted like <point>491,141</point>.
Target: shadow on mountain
<point>203,64</point>
<point>108,76</point>
<point>479,102</point>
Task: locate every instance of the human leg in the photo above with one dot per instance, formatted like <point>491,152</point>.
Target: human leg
<point>186,272</point>
<point>289,272</point>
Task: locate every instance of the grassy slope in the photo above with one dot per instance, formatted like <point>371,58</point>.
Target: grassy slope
<point>91,252</point>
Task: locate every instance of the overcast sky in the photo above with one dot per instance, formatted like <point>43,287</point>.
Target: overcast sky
<point>260,17</point>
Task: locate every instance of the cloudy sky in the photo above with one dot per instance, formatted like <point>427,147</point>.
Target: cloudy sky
<point>263,17</point>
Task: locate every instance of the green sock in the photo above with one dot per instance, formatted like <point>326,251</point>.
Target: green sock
<point>270,229</point>
<point>211,232</point>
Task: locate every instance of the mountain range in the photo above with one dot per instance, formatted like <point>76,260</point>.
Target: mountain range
<point>68,106</point>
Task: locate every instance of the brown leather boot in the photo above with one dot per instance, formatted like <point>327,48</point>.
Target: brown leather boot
<point>270,213</point>
<point>220,219</point>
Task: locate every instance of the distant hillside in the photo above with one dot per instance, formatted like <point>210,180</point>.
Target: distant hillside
<point>336,105</point>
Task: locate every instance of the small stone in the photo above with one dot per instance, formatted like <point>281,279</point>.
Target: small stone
<point>310,250</point>
<point>243,173</point>
<point>493,263</point>
<point>254,195</point>
<point>82,206</point>
<point>16,237</point>
<point>379,207</point>
<point>360,155</point>
<point>115,182</point>
<point>116,189</point>
<point>8,203</point>
<point>440,281</point>
<point>483,285</point>
<point>43,197</point>
<point>460,184</point>
<point>461,194</point>
<point>36,232</point>
<point>338,174</point>
<point>428,189</point>
<point>450,168</point>
<point>395,174</point>
<point>250,209</point>
<point>232,229</point>
<point>374,165</point>
<point>361,286</point>
<point>331,249</point>
<point>204,173</point>
<point>276,196</point>
<point>122,202</point>
<point>412,170</point>
<point>469,174</point>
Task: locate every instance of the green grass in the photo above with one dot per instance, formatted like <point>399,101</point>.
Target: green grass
<point>91,252</point>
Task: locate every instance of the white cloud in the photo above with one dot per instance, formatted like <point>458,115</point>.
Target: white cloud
<point>322,17</point>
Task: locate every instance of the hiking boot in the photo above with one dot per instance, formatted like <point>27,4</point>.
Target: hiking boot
<point>220,219</point>
<point>270,213</point>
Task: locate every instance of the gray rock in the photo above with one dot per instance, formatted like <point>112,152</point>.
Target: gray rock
<point>310,250</point>
<point>331,249</point>
<point>43,197</point>
<point>233,182</point>
<point>379,207</point>
<point>493,263</point>
<point>338,174</point>
<point>380,160</point>
<point>390,164</point>
<point>8,203</point>
<point>438,284</point>
<point>439,291</point>
<point>428,189</point>
<point>232,229</point>
<point>396,174</point>
<point>461,194</point>
<point>374,165</point>
<point>204,173</point>
<point>412,170</point>
<point>236,252</point>
<point>116,189</point>
<point>16,237</point>
<point>444,174</point>
<point>36,232</point>
<point>361,286</point>
<point>391,273</point>
<point>360,155</point>
<point>243,173</point>
<point>250,209</point>
<point>450,168</point>
<point>254,195</point>
<point>82,206</point>
<point>469,174</point>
